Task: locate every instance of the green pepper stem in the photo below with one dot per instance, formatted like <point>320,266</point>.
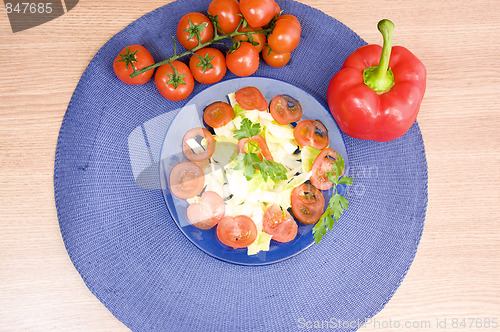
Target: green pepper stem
<point>380,78</point>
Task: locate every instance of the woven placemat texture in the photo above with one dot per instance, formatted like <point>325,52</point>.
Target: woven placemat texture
<point>133,257</point>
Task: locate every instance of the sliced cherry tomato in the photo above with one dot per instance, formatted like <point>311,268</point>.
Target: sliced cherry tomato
<point>186,180</point>
<point>207,213</point>
<point>264,149</point>
<point>275,59</point>
<point>191,23</point>
<point>311,132</point>
<point>133,56</point>
<point>285,36</point>
<point>259,38</point>
<point>285,109</point>
<point>308,203</point>
<point>174,86</point>
<point>279,224</point>
<point>257,12</point>
<point>208,65</point>
<point>237,232</point>
<point>227,12</point>
<point>250,98</point>
<point>322,164</point>
<point>193,134</point>
<point>244,61</point>
<point>218,114</point>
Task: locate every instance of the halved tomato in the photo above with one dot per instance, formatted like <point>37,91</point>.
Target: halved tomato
<point>285,109</point>
<point>186,180</point>
<point>188,150</point>
<point>322,164</point>
<point>207,213</point>
<point>261,143</point>
<point>311,132</point>
<point>250,98</point>
<point>279,224</point>
<point>237,232</point>
<point>218,114</point>
<point>308,203</point>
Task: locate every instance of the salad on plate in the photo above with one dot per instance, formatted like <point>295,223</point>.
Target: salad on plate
<point>257,170</point>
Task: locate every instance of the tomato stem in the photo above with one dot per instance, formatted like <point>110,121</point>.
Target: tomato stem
<point>196,48</point>
<point>380,78</point>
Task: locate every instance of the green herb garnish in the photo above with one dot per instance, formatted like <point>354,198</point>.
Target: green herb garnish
<point>247,129</point>
<point>337,204</point>
<point>250,163</point>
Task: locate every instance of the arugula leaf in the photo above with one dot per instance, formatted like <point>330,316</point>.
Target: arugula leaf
<point>337,204</point>
<point>247,129</point>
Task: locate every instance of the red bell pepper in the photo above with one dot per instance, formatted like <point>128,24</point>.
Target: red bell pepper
<point>377,93</point>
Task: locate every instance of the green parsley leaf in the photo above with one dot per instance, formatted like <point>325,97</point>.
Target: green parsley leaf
<point>337,204</point>
<point>247,129</point>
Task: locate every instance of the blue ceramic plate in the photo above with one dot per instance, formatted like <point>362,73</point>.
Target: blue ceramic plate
<point>191,116</point>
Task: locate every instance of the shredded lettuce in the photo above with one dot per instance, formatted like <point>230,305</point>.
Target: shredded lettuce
<point>260,244</point>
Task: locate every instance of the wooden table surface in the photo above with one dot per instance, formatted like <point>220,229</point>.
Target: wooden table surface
<point>455,277</point>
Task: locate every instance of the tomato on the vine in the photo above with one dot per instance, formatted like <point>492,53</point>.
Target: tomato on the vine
<point>275,59</point>
<point>308,203</point>
<point>244,61</point>
<point>192,24</point>
<point>174,81</point>
<point>259,38</point>
<point>250,98</point>
<point>133,56</point>
<point>257,12</point>
<point>312,133</point>
<point>286,34</point>
<point>208,65</point>
<point>236,232</point>
<point>322,164</point>
<point>227,13</point>
<point>285,109</point>
<point>218,114</point>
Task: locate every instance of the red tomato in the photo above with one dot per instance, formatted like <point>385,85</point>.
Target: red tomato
<point>227,12</point>
<point>311,132</point>
<point>186,180</point>
<point>257,12</point>
<point>308,203</point>
<point>285,36</point>
<point>244,61</point>
<point>174,86</point>
<point>250,98</point>
<point>208,212</point>
<point>208,65</point>
<point>277,9</point>
<point>264,149</point>
<point>256,37</point>
<point>285,109</point>
<point>193,134</point>
<point>237,232</point>
<point>275,59</point>
<point>191,23</point>
<point>322,164</point>
<point>218,114</point>
<point>280,225</point>
<point>133,56</point>
<point>292,19</point>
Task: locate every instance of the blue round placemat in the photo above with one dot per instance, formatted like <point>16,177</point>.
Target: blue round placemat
<point>131,255</point>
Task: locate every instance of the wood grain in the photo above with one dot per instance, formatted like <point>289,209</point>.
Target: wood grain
<point>456,273</point>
